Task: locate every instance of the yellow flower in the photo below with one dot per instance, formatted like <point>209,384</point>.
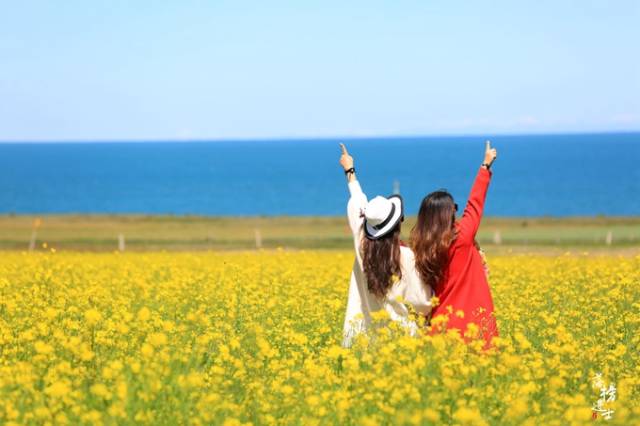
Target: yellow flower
<point>255,337</point>
<point>431,415</point>
<point>472,330</point>
<point>42,412</point>
<point>147,350</point>
<point>57,389</point>
<point>43,348</point>
<point>556,383</point>
<point>467,415</point>
<point>157,339</point>
<point>518,407</point>
<point>92,317</point>
<point>620,350</point>
<point>312,400</point>
<point>144,314</point>
<point>195,379</point>
<point>86,354</point>
<point>121,390</point>
<point>100,390</point>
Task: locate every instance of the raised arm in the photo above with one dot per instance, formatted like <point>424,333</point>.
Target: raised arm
<point>357,200</point>
<point>470,221</point>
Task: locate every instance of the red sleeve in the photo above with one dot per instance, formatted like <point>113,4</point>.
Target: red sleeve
<point>470,221</point>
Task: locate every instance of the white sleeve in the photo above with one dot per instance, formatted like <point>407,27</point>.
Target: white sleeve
<point>416,292</point>
<point>354,316</point>
<point>358,302</point>
<point>356,203</point>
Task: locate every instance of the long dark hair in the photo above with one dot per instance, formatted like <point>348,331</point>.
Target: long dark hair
<point>432,235</point>
<point>381,260</point>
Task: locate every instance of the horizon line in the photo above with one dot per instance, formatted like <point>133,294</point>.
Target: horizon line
<point>318,138</point>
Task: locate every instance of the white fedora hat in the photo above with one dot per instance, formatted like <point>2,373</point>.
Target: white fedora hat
<point>382,215</point>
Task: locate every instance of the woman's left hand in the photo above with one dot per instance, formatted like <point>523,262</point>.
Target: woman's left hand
<point>490,154</point>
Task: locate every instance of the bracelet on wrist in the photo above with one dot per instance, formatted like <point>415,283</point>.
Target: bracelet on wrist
<point>351,170</point>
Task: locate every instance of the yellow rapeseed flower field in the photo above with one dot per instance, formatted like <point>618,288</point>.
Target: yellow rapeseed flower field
<point>253,338</point>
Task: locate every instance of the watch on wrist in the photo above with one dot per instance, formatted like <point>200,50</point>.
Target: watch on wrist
<point>486,165</point>
<point>351,170</point>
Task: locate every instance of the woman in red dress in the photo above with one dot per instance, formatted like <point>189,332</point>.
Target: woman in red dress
<point>448,260</point>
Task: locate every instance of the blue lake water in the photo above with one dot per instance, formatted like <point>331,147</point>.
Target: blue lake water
<point>557,175</point>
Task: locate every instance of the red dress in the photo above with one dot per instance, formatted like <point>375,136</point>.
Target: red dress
<point>464,286</point>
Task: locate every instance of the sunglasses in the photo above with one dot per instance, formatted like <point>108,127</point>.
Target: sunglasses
<point>455,206</point>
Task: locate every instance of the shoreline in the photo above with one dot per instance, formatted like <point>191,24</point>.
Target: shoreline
<point>139,232</point>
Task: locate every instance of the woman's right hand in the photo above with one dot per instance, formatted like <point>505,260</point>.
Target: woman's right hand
<point>346,161</point>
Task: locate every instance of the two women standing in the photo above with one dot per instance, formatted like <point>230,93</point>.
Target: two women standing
<point>444,260</point>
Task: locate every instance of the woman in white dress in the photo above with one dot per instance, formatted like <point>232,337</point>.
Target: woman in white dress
<point>384,276</point>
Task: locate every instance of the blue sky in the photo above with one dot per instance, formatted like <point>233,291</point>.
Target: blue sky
<point>131,70</point>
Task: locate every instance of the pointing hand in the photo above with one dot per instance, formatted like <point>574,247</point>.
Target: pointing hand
<point>490,154</point>
<point>346,161</point>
